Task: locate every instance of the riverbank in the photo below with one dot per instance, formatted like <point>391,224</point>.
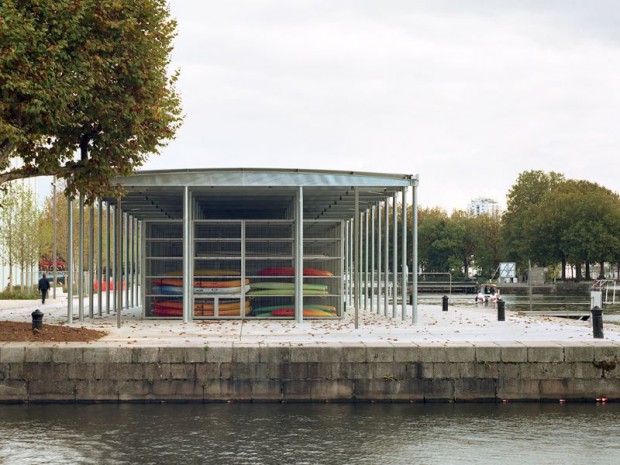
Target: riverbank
<point>461,355</point>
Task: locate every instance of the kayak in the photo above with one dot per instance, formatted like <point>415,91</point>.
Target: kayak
<point>176,282</point>
<point>275,285</point>
<point>291,272</point>
<point>286,292</point>
<point>288,310</point>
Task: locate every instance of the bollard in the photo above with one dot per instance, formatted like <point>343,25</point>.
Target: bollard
<point>37,320</point>
<point>501,314</point>
<point>597,323</point>
<point>444,303</point>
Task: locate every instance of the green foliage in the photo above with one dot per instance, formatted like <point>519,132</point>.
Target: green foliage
<point>20,226</point>
<point>85,76</point>
<point>524,199</point>
<point>17,293</point>
<point>457,242</point>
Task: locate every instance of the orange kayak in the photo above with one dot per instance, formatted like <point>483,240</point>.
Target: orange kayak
<point>177,282</point>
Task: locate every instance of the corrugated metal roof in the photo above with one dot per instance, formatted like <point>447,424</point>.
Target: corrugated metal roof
<point>256,193</point>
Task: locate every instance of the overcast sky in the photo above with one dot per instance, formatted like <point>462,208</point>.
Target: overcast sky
<point>467,94</point>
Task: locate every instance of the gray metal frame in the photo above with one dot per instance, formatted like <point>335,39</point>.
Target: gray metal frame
<point>330,195</point>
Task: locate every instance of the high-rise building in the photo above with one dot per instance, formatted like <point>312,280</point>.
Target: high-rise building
<point>483,206</point>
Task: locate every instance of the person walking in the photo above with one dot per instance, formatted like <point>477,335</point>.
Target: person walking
<point>44,286</point>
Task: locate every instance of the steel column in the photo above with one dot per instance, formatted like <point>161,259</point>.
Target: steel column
<point>69,270</point>
<point>379,252</point>
<point>100,259</point>
<point>386,257</point>
<point>81,259</point>
<point>403,254</point>
<point>345,255</point>
<point>118,272</point>
<point>372,258</point>
<point>126,218</point>
<point>299,255</point>
<point>356,240</point>
<point>188,280</point>
<point>414,247</point>
<point>394,257</point>
<point>342,268</point>
<point>108,249</point>
<point>54,251</point>
<point>366,248</point>
<point>91,263</point>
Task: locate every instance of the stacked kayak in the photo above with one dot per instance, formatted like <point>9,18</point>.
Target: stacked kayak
<point>291,272</point>
<point>289,311</point>
<point>174,286</point>
<point>175,308</point>
<point>275,288</point>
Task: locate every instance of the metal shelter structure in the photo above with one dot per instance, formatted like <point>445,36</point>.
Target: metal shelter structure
<point>250,243</point>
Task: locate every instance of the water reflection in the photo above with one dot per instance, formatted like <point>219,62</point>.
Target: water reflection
<point>309,433</point>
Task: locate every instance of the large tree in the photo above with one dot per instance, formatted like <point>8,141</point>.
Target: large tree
<point>85,92</point>
<point>523,201</point>
<point>579,222</point>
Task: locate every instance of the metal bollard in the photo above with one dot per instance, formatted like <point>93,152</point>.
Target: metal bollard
<point>444,303</point>
<point>501,314</point>
<point>597,323</point>
<point>37,320</point>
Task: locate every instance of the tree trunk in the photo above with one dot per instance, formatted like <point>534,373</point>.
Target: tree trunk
<point>578,275</point>
<point>563,268</point>
<point>588,278</point>
<point>601,273</point>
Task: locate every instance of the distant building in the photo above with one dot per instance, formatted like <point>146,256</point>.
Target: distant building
<point>483,206</point>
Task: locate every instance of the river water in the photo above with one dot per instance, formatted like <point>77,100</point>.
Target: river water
<point>310,434</point>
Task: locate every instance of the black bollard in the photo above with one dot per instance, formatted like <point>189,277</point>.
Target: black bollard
<point>37,320</point>
<point>501,314</point>
<point>444,303</point>
<point>597,323</point>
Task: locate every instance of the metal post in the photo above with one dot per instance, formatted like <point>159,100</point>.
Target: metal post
<point>394,257</point>
<point>126,218</point>
<point>137,262</point>
<point>188,281</point>
<point>403,253</point>
<point>529,281</point>
<point>100,259</point>
<point>129,261</point>
<point>91,263</point>
<point>379,250</point>
<point>414,247</point>
<point>345,255</point>
<point>597,323</point>
<point>118,285</point>
<point>107,261</point>
<point>54,251</point>
<point>386,257</point>
<point>356,241</point>
<point>501,313</point>
<point>342,267</point>
<point>112,264</point>
<point>69,270</point>
<point>351,260</point>
<point>365,226</point>
<point>372,257</point>
<point>299,255</point>
<point>81,259</point>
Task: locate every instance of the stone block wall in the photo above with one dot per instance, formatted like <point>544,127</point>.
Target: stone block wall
<point>364,372</point>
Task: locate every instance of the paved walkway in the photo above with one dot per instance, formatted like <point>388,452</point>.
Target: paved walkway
<point>460,325</point>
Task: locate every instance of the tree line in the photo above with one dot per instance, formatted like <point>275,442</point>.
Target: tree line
<point>549,221</point>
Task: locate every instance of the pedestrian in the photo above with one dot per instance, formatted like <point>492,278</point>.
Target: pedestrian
<point>44,286</point>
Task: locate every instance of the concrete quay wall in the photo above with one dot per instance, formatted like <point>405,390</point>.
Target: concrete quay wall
<point>422,373</point>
